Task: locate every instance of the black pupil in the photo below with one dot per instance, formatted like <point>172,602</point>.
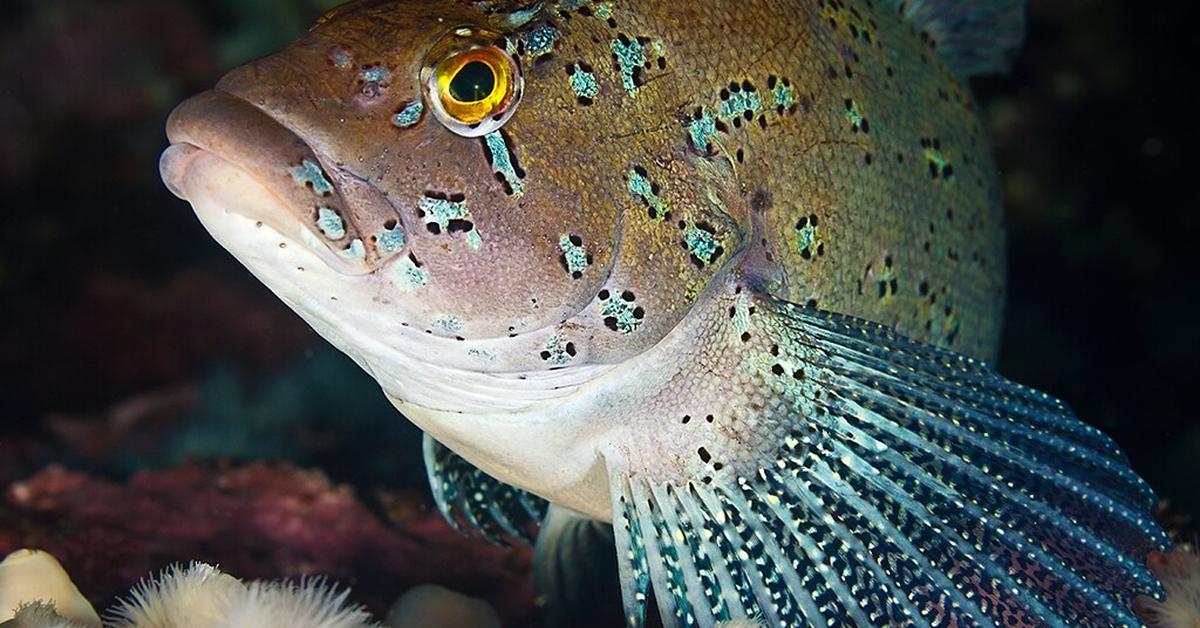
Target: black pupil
<point>474,82</point>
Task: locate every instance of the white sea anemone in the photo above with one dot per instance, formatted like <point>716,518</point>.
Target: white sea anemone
<point>197,595</point>
<point>310,604</point>
<point>1180,576</point>
<point>40,615</point>
<point>201,596</point>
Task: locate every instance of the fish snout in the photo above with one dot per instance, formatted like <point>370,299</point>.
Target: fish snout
<point>228,154</point>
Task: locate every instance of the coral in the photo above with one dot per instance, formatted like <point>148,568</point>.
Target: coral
<point>259,521</point>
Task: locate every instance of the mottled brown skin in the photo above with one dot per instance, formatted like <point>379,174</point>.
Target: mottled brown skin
<point>899,238</point>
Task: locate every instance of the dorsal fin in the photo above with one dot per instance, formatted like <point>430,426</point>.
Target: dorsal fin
<point>972,36</point>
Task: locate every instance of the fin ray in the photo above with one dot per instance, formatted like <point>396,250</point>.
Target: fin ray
<point>903,484</point>
<point>498,511</point>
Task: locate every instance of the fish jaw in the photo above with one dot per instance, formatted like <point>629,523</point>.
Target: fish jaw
<point>313,201</point>
<point>476,394</point>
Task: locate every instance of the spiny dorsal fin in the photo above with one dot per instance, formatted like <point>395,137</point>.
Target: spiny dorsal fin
<point>972,36</point>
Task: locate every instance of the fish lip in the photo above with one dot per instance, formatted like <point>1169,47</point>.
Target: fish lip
<point>173,163</point>
<point>186,140</point>
<point>244,135</point>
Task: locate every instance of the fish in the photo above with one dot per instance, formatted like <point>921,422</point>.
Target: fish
<point>726,276</point>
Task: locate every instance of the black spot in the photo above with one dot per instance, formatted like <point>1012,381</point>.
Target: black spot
<point>458,225</point>
<point>704,455</point>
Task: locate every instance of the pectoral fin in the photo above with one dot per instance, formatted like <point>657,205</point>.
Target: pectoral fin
<point>903,484</point>
<point>575,571</point>
<point>497,510</point>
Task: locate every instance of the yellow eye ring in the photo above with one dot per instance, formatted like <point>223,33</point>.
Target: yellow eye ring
<point>475,84</point>
<point>475,91</point>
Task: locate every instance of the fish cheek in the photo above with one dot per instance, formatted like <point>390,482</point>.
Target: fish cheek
<point>501,266</point>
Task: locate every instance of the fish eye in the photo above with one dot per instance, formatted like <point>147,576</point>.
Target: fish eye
<point>474,92</point>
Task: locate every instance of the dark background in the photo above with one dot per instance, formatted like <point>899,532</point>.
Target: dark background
<point>129,339</point>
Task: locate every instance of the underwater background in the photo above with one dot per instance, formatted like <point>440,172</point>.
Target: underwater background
<point>148,380</point>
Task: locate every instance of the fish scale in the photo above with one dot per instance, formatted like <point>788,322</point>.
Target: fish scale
<point>724,274</point>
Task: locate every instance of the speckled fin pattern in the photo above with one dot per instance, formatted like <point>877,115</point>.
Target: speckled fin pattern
<point>499,511</point>
<point>920,489</point>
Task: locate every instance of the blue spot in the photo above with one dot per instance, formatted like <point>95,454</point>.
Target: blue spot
<point>641,188</point>
<point>784,95</point>
<point>702,244</point>
<point>355,250</point>
<point>409,115</point>
<point>501,163</point>
<point>739,103</point>
<point>702,130</point>
<point>442,211</point>
<point>309,173</point>
<point>630,57</point>
<point>331,224</point>
<point>390,240</point>
<point>409,276</point>
<point>448,323</point>
<point>583,83</point>
<point>621,314</point>
<point>375,74</point>
<point>576,256</point>
<point>540,39</point>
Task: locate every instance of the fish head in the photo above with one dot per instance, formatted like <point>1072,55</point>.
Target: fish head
<point>373,175</point>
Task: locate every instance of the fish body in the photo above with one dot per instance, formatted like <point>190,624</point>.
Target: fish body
<point>721,274</point>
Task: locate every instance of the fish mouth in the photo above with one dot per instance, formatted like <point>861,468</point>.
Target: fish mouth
<point>228,155</point>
